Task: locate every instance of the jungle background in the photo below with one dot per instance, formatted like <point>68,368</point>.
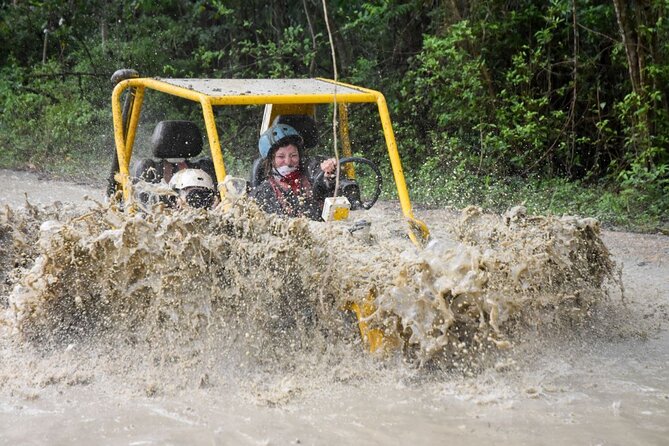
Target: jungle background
<point>558,104</point>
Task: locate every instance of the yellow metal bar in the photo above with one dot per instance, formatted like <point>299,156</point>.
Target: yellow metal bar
<point>157,84</point>
<point>290,99</point>
<point>214,142</point>
<point>134,120</point>
<point>370,92</point>
<point>123,159</point>
<point>418,231</point>
<point>349,168</point>
<point>394,157</point>
<point>373,336</point>
<point>164,87</point>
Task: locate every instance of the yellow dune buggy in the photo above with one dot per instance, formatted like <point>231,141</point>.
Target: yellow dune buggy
<point>176,143</point>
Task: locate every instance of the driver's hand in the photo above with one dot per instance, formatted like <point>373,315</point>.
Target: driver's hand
<point>329,166</point>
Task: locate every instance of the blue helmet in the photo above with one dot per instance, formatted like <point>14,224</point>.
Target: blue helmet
<point>274,136</point>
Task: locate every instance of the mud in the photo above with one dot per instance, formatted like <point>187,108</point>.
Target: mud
<point>227,327</point>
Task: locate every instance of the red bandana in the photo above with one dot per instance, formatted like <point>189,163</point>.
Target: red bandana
<point>297,183</point>
<point>294,180</point>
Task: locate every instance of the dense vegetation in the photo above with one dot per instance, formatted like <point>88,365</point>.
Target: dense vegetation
<point>562,104</point>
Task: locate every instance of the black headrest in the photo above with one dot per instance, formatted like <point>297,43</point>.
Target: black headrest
<point>304,124</point>
<point>176,139</point>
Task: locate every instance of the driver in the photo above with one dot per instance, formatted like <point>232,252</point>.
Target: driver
<point>194,188</point>
<point>287,189</point>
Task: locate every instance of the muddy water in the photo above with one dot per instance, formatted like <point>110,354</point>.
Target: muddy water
<point>225,328</point>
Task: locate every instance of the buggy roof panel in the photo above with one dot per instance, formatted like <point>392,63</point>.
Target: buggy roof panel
<point>267,90</point>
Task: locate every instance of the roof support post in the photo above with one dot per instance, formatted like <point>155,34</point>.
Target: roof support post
<point>214,141</point>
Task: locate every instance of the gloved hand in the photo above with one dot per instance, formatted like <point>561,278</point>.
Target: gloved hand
<point>329,167</point>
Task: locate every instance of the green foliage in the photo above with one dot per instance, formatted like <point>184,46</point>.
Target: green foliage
<point>447,83</point>
<point>493,104</point>
<point>50,125</point>
<point>628,209</point>
<point>288,57</point>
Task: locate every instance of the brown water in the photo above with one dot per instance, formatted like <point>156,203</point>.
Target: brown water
<point>225,328</point>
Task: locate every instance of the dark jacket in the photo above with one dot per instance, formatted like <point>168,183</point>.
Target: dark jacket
<point>277,197</point>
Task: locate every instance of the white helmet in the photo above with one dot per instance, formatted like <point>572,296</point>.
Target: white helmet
<point>191,178</point>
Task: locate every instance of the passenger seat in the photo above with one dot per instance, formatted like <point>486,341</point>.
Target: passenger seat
<point>173,144</point>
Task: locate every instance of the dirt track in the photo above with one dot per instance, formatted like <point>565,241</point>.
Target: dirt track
<point>593,391</point>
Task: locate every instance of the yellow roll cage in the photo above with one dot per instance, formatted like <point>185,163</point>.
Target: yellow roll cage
<point>280,96</point>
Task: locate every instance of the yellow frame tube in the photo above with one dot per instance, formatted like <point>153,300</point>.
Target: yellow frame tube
<point>373,336</point>
<point>394,157</point>
<point>123,157</point>
<point>345,139</point>
<point>418,232</point>
<point>134,120</point>
<point>214,141</point>
<point>195,96</point>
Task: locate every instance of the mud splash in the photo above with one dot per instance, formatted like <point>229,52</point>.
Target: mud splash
<point>454,301</point>
<point>258,289</point>
<point>169,279</point>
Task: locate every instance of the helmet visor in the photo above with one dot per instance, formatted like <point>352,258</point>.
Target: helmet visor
<point>200,198</point>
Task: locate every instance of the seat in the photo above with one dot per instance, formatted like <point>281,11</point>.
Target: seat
<point>173,143</point>
<point>306,127</point>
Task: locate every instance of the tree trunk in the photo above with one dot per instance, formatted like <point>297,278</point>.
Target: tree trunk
<point>631,15</point>
<point>312,64</point>
<point>103,30</point>
<point>630,42</point>
<point>44,47</point>
<point>458,11</point>
<point>574,79</point>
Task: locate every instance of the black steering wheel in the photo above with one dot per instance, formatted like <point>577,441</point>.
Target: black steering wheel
<point>353,159</point>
